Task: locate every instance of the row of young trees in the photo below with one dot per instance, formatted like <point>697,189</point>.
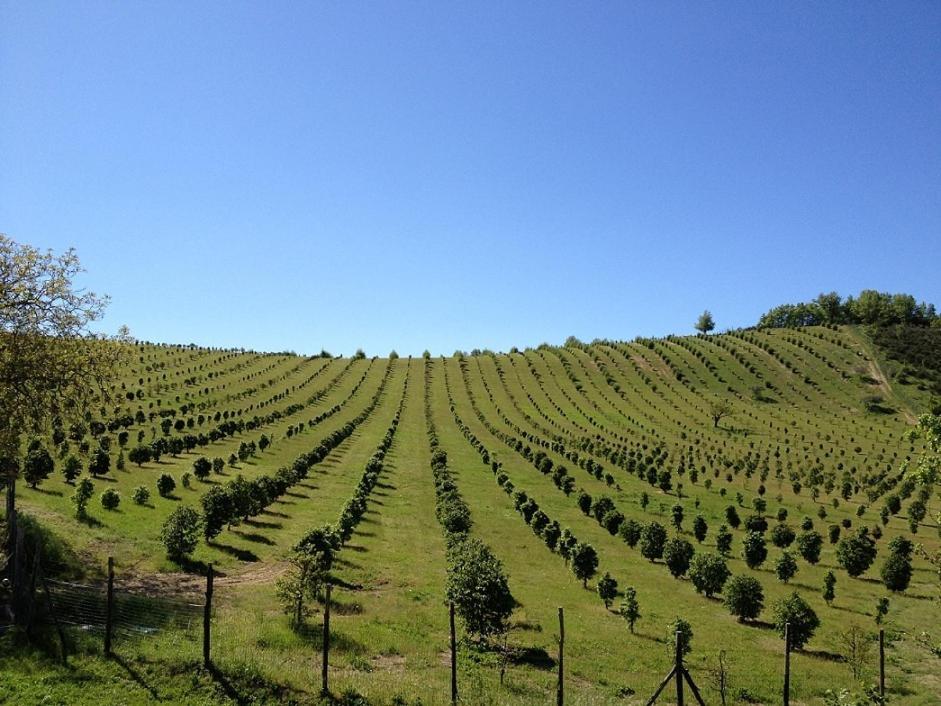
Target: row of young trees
<point>313,555</point>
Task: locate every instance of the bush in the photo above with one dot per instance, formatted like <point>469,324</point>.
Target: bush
<point>708,572</point>
<point>652,539</point>
<point>731,517</point>
<point>110,499</point>
<point>478,587</point>
<point>202,467</point>
<point>700,528</point>
<point>629,532</point>
<point>724,541</point>
<point>809,544</point>
<point>607,589</point>
<point>802,619</point>
<point>180,532</point>
<point>677,554</point>
<point>83,492</point>
<point>37,467</point>
<point>584,561</point>
<point>782,536</point>
<point>744,597</point>
<point>754,550</point>
<point>630,608</point>
<point>685,631</point>
<point>756,523</point>
<point>856,553</point>
<point>165,485</point>
<point>785,567</point>
<point>141,495</point>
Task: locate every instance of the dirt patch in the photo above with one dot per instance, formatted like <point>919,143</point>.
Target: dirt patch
<point>875,372</point>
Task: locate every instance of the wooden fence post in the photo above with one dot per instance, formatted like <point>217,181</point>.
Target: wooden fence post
<point>787,664</point>
<point>560,696</point>
<point>678,669</point>
<point>207,620</point>
<point>109,611</point>
<point>882,665</point>
<point>325,687</point>
<point>453,657</point>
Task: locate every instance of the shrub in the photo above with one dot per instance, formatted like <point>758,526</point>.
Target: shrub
<point>809,544</point>
<point>744,597</point>
<point>584,561</point>
<point>630,608</point>
<point>630,531</point>
<point>652,539</point>
<point>856,553</point>
<point>607,589</point>
<point>731,517</point>
<point>724,541</point>
<point>110,499</point>
<point>682,629</point>
<point>677,554</point>
<point>180,532</point>
<point>141,495</point>
<point>165,485</point>
<point>478,587</point>
<point>700,528</point>
<point>71,469</point>
<point>754,550</point>
<point>83,492</point>
<point>785,567</point>
<point>38,466</point>
<point>829,582</point>
<point>708,572</point>
<point>795,612</point>
<point>202,467</point>
<point>782,536</point>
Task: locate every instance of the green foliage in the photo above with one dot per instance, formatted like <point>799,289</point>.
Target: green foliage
<point>829,586</point>
<point>180,532</point>
<point>607,589</point>
<point>110,499</point>
<point>630,608</point>
<point>478,587</point>
<point>856,553</point>
<point>165,485</point>
<point>744,597</point>
<point>709,573</point>
<point>809,544</point>
<point>677,554</point>
<point>785,567</point>
<point>37,466</point>
<point>754,550</point>
<point>802,619</point>
<point>141,495</point>
<point>584,562</point>
<point>82,494</point>
<point>680,629</point>
<point>652,540</point>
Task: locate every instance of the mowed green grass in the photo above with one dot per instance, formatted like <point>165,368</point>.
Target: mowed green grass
<point>390,619</point>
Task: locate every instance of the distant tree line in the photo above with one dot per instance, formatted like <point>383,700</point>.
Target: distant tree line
<point>870,307</point>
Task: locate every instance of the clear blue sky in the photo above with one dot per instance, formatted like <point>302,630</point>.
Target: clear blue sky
<point>457,175</point>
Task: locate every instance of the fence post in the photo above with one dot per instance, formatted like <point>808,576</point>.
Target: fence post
<point>207,619</point>
<point>325,688</point>
<point>560,696</point>
<point>109,612</point>
<point>453,657</point>
<point>882,665</point>
<point>787,664</point>
<point>678,669</point>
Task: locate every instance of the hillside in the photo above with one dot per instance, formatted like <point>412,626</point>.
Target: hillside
<point>811,421</point>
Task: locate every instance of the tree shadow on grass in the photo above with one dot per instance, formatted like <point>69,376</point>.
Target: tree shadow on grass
<point>356,548</point>
<point>274,514</point>
<point>823,654</point>
<point>532,656</point>
<point>46,491</point>
<point>136,676</point>
<point>90,521</point>
<point>196,566</point>
<point>263,525</point>
<point>296,495</point>
<point>312,635</point>
<point>253,537</point>
<point>240,554</point>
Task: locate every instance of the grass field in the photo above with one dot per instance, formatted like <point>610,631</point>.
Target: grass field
<point>802,421</point>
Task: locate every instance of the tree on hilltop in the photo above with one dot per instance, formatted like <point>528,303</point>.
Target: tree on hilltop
<point>705,323</point>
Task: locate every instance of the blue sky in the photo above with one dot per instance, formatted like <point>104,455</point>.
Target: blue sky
<point>436,175</point>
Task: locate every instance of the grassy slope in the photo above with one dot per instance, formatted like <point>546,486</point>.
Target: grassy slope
<point>391,626</point>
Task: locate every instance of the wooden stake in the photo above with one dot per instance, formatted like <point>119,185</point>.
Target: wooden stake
<point>207,620</point>
<point>678,669</point>
<point>560,697</point>
<point>453,657</point>
<point>882,665</point>
<point>110,609</point>
<point>325,687</point>
<point>787,664</point>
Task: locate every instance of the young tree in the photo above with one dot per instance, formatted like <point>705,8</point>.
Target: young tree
<point>708,572</point>
<point>856,554</point>
<point>584,560</point>
<point>652,539</point>
<point>882,609</point>
<point>731,516</point>
<point>677,512</point>
<point>478,587</point>
<point>685,630</point>
<point>705,322</point>
<point>607,589</point>
<point>857,646</point>
<point>217,465</point>
<point>141,495</point>
<point>202,467</point>
<point>700,528</point>
<point>71,469</point>
<point>897,569</point>
<point>180,532</point>
<point>217,511</point>
<point>110,499</point>
<point>809,544</point>
<point>785,567</point>
<point>677,554</point>
<point>803,621</point>
<point>165,485</point>
<point>829,584</point>
<point>38,466</point>
<point>299,587</point>
<point>724,541</point>
<point>99,463</point>
<point>630,608</point>
<point>83,492</point>
<point>782,535</point>
<point>744,597</point>
<point>629,532</point>
<point>754,550</point>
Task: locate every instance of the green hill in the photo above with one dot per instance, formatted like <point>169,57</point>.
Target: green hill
<point>809,422</point>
